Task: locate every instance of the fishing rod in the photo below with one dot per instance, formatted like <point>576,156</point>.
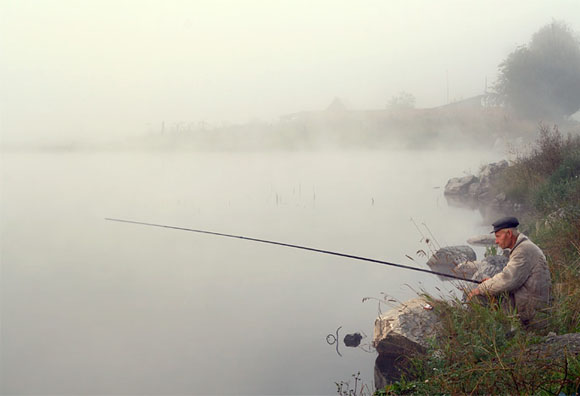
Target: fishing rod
<point>294,246</point>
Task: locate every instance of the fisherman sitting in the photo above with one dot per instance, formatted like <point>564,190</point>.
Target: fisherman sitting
<point>525,278</point>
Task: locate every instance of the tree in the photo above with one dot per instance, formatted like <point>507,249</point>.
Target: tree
<point>542,79</point>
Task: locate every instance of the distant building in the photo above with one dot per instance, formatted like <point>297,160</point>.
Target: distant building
<point>336,106</point>
<point>473,103</point>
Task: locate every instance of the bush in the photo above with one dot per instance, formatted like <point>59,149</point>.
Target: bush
<point>546,177</point>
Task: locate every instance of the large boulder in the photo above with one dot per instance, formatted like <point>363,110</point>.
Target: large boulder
<point>490,171</point>
<point>467,269</point>
<point>399,334</point>
<point>479,270</point>
<point>447,259</point>
<point>483,191</point>
<point>490,266</point>
<point>482,240</point>
<point>478,188</point>
<point>460,185</point>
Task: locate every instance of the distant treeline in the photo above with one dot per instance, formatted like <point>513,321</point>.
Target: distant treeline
<point>461,124</point>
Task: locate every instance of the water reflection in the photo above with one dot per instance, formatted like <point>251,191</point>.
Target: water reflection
<point>350,340</point>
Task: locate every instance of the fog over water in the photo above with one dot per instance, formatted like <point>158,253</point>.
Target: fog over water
<point>90,306</point>
<point>90,92</point>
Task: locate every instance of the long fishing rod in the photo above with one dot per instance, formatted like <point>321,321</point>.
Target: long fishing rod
<point>295,246</point>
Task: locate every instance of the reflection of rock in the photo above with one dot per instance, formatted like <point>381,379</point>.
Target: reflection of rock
<point>461,201</point>
<point>489,211</point>
<point>352,340</point>
<point>398,335</point>
<point>447,259</point>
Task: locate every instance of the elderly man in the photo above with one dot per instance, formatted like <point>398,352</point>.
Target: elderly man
<point>526,276</point>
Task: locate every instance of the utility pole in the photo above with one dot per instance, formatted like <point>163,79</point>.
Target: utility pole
<point>447,78</point>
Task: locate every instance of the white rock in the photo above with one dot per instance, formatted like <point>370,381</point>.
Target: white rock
<point>411,320</point>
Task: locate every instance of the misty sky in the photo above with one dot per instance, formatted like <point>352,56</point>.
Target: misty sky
<point>105,70</point>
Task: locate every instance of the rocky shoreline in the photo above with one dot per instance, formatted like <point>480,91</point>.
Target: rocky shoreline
<point>405,331</point>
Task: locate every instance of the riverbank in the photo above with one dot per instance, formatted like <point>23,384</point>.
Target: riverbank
<point>484,350</point>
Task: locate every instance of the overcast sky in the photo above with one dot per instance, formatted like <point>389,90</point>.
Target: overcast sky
<point>102,70</point>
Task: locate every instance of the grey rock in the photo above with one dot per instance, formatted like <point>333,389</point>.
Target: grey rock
<point>490,266</point>
<point>480,270</point>
<point>447,259</point>
<point>413,319</point>
<point>467,269</point>
<point>459,185</point>
<point>491,170</point>
<point>452,255</point>
<point>482,240</point>
<point>484,195</point>
<point>474,189</point>
<point>478,188</point>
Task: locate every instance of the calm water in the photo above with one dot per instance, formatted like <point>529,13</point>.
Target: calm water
<point>95,307</point>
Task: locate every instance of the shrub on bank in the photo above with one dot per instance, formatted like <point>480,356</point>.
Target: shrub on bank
<point>546,178</point>
<point>484,350</point>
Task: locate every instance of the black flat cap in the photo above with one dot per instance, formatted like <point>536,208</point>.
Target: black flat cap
<point>505,222</point>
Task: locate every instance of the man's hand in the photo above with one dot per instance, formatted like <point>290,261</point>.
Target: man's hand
<point>473,293</point>
<point>476,291</point>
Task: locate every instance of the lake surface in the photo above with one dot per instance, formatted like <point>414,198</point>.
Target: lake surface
<point>90,306</point>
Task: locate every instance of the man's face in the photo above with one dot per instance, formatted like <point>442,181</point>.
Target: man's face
<point>503,238</point>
